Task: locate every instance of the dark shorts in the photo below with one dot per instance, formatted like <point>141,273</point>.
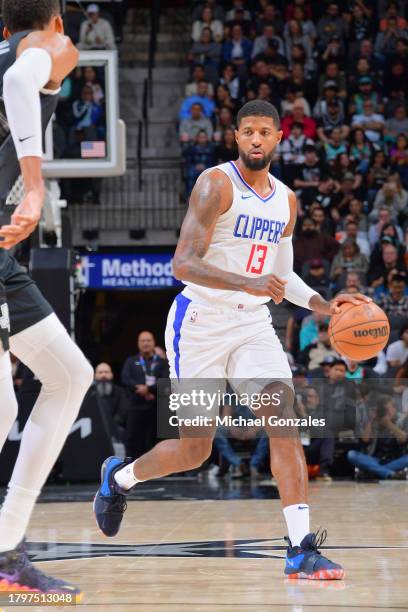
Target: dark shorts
<point>26,305</point>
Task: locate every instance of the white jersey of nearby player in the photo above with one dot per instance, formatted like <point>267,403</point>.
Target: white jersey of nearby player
<point>246,237</point>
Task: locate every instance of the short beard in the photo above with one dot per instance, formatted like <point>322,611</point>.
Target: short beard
<point>256,164</point>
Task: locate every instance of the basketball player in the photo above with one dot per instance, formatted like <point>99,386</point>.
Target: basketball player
<point>34,59</point>
<point>235,254</point>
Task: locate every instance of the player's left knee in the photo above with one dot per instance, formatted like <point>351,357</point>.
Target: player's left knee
<point>82,374</point>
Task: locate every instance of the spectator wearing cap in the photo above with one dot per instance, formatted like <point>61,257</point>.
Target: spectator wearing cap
<point>267,37</point>
<point>333,74</point>
<point>329,26</point>
<point>96,32</point>
<point>317,277</point>
<point>298,116</point>
<point>372,122</point>
<point>365,91</point>
<point>329,95</point>
<point>190,127</point>
<point>311,245</point>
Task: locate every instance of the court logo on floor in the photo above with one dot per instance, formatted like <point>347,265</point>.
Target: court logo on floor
<point>250,549</point>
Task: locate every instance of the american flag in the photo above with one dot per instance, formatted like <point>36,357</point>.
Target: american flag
<point>93,149</point>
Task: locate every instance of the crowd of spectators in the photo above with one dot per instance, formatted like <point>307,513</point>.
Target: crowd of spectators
<point>337,73</point>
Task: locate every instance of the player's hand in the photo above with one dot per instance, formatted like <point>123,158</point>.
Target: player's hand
<point>269,285</point>
<point>24,220</point>
<point>347,298</point>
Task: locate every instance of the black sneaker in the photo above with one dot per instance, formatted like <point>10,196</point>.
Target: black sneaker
<point>17,573</point>
<point>110,499</point>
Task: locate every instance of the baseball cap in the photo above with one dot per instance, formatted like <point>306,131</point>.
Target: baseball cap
<point>330,85</point>
<point>316,263</point>
<point>327,360</point>
<point>92,8</point>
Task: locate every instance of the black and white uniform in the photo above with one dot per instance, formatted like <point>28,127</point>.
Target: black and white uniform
<point>18,292</point>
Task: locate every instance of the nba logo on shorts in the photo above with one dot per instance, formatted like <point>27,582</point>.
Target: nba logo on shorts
<point>4,317</point>
<point>193,316</point>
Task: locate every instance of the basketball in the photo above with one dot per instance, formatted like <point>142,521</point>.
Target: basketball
<point>360,331</point>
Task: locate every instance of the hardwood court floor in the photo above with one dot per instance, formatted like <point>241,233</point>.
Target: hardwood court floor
<point>225,555</point>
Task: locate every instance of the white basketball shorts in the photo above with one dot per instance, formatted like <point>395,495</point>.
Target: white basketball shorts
<point>230,342</point>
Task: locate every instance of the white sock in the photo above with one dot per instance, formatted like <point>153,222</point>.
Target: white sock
<point>126,478</point>
<point>15,514</point>
<point>297,521</point>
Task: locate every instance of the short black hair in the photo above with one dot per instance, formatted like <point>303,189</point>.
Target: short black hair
<point>259,108</point>
<point>337,362</point>
<point>19,15</point>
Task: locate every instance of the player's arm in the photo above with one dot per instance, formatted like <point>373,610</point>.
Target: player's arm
<point>211,197</point>
<point>296,290</point>
<point>43,60</point>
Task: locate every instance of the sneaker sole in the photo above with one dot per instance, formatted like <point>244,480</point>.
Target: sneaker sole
<point>10,587</point>
<point>333,574</point>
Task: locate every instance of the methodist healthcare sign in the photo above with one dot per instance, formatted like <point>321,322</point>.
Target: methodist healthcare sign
<point>127,271</point>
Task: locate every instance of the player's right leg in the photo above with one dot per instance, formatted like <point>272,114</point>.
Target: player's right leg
<point>193,353</point>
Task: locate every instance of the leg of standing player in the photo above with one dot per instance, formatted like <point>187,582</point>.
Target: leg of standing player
<point>65,374</point>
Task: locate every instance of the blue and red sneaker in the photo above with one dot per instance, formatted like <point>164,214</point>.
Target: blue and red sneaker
<point>110,500</point>
<point>306,561</point>
<point>17,573</point>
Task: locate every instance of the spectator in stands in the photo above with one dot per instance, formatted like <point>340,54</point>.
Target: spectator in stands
<point>361,149</point>
<point>230,79</point>
<point>86,113</point>
<point>294,35</point>
<point>198,157</point>
<point>96,32</point>
<point>237,5</point>
<point>198,74</point>
<point>190,127</point>
<point>298,116</point>
<point>292,148</point>
<point>331,24</point>
<point>312,245</point>
<point>207,52</point>
<point>270,16</point>
<point>113,401</point>
<point>359,25</point>
<point>91,80</point>
<point>391,196</point>
<point>215,6</point>
<point>372,122</point>
<point>332,116</point>
<point>237,50</point>
<point>397,352</point>
<point>384,219</point>
<point>203,98</point>
<point>207,21</point>
<point>386,455</point>
<point>335,145</point>
<point>320,451</point>
<point>386,40</point>
<point>294,94</point>
<point>352,233</point>
<point>333,74</point>
<point>139,375</point>
<point>324,225</point>
<point>399,158</point>
<point>396,303</point>
<point>262,42</point>
<point>349,258</point>
<point>364,92</point>
<point>309,176</point>
<point>317,278</point>
<point>392,11</point>
<point>313,354</point>
<point>227,149</point>
<point>338,396</point>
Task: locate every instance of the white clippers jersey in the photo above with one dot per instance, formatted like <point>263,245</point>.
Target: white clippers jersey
<point>246,237</point>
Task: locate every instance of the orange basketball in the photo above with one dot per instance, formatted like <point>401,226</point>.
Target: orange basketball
<point>359,331</point>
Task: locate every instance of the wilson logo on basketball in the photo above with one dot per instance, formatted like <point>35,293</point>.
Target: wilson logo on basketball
<point>377,332</point>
